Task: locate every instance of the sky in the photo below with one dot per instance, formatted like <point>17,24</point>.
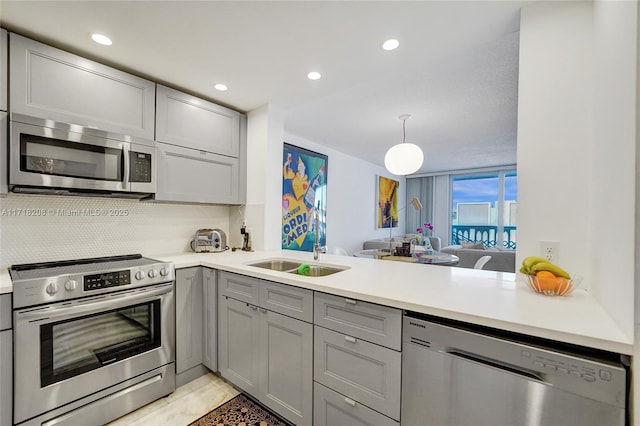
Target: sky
<point>483,190</point>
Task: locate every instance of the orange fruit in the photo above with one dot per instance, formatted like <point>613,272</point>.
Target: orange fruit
<point>547,281</point>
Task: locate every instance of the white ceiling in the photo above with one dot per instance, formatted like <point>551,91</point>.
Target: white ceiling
<point>455,72</point>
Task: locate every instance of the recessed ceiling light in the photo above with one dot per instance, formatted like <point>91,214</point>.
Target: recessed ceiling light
<point>390,44</point>
<point>101,39</point>
<point>313,75</point>
<point>221,87</point>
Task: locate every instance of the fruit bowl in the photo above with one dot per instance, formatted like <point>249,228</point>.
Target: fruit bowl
<point>553,286</point>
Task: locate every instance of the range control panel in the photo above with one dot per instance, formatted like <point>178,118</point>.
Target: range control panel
<point>108,279</point>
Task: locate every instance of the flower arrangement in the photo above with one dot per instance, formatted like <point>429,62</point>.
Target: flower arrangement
<point>422,231</point>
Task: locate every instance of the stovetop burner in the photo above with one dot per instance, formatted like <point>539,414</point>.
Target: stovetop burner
<point>44,282</point>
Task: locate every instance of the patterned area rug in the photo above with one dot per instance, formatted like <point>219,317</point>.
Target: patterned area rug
<point>239,411</point>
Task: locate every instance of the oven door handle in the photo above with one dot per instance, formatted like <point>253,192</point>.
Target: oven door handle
<point>108,301</point>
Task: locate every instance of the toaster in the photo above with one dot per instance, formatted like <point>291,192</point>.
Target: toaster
<point>209,240</point>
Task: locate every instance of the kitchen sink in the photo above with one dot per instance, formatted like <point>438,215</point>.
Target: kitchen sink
<point>277,265</point>
<point>291,266</point>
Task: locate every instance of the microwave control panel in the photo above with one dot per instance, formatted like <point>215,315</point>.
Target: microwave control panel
<point>140,166</point>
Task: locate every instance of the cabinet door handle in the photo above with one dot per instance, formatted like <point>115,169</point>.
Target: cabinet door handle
<point>350,301</point>
<point>350,339</point>
<point>350,401</point>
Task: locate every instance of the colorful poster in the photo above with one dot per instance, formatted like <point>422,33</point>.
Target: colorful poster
<point>304,187</point>
<point>387,208</point>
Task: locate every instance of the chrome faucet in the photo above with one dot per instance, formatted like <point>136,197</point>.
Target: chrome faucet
<point>317,248</point>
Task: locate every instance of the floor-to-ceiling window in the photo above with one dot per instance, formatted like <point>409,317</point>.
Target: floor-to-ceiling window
<point>484,208</point>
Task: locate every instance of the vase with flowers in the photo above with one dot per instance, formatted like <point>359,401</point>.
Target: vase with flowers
<point>423,232</point>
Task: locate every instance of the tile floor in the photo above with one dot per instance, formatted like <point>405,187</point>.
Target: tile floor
<point>186,404</point>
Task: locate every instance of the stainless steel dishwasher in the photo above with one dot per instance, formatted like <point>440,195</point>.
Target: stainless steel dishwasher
<point>456,374</point>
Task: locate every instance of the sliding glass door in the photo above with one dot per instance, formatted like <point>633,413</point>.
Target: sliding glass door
<point>484,209</point>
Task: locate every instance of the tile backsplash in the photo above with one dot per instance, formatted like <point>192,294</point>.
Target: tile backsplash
<point>38,228</point>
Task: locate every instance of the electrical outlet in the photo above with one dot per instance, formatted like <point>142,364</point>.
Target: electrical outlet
<point>550,250</point>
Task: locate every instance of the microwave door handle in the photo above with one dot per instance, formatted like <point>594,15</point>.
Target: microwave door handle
<point>126,164</point>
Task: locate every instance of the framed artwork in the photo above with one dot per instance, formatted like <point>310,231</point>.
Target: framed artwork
<point>386,202</point>
<point>304,187</point>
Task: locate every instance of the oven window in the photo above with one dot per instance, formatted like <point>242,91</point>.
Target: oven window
<point>74,346</point>
<point>72,159</point>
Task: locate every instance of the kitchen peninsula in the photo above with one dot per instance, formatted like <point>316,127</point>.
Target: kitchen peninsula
<point>493,299</point>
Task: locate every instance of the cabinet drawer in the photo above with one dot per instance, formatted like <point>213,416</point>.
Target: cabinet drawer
<point>331,408</point>
<point>367,373</point>
<point>287,300</point>
<point>368,321</point>
<point>239,287</point>
<point>191,122</point>
<point>189,175</point>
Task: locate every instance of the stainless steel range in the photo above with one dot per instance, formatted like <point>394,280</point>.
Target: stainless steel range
<point>93,338</point>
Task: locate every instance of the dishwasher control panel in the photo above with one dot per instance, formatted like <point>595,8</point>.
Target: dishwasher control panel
<point>547,364</point>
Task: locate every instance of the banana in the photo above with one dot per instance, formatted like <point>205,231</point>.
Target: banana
<point>554,269</point>
<point>529,262</point>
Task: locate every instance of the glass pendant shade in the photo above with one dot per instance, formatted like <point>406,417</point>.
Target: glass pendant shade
<point>403,159</point>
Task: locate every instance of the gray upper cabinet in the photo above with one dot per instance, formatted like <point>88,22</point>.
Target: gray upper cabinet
<point>4,61</point>
<point>191,122</point>
<point>193,176</point>
<point>52,84</point>
<point>189,306</point>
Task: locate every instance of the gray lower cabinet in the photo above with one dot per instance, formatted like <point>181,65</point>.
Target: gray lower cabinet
<point>267,354</point>
<point>189,309</point>
<point>51,84</point>
<point>286,376</point>
<point>196,176</point>
<point>331,408</point>
<point>210,319</point>
<point>191,122</point>
<point>6,361</point>
<point>238,343</point>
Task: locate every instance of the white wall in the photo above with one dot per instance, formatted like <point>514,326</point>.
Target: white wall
<point>614,161</point>
<point>265,135</point>
<point>63,228</point>
<point>351,201</point>
<point>576,143</point>
<point>555,132</point>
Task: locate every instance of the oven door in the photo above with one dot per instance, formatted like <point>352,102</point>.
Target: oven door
<point>53,158</point>
<point>68,350</point>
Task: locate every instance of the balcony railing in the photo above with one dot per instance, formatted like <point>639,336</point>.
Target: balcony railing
<point>488,234</point>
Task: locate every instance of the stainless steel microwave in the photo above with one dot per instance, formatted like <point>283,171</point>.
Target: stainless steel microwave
<point>73,160</point>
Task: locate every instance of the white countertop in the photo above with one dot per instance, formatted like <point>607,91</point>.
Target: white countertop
<point>493,299</point>
<point>488,298</point>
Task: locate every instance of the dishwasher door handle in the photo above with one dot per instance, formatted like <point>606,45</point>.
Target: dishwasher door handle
<point>500,365</point>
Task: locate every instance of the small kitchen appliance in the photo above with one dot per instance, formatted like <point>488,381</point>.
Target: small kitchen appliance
<point>209,241</point>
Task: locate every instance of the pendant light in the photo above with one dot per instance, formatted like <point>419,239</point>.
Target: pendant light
<point>403,158</point>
